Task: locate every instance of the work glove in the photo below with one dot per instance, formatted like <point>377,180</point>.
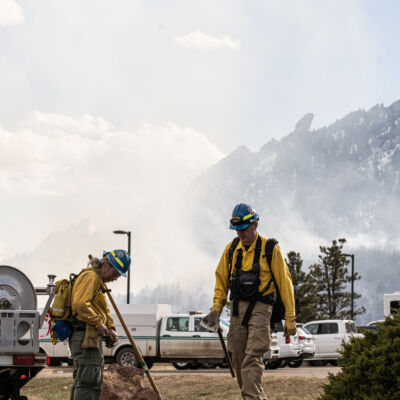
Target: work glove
<point>290,327</point>
<point>211,321</point>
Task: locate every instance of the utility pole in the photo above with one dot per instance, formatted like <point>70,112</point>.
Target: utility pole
<point>128,233</point>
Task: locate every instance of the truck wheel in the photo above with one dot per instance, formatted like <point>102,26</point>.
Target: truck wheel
<point>149,362</point>
<point>126,357</point>
<point>274,364</point>
<point>194,365</point>
<point>295,363</point>
<point>181,365</point>
<point>318,363</point>
<point>54,362</point>
<point>208,365</point>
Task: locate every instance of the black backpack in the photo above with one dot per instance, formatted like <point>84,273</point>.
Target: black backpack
<point>278,312</point>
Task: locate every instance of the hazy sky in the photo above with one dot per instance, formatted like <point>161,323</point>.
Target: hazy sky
<point>109,108</point>
<point>242,72</point>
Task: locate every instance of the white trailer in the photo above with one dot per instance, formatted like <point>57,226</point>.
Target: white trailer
<point>391,304</point>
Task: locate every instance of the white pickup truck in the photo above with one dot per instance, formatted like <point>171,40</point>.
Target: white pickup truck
<point>159,334</point>
<point>164,337</point>
<point>161,337</point>
<point>329,335</point>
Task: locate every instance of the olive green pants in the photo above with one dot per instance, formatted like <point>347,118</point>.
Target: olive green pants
<point>248,345</point>
<point>88,365</point>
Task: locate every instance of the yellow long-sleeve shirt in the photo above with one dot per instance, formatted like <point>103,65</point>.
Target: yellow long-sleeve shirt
<point>279,268</point>
<point>88,303</point>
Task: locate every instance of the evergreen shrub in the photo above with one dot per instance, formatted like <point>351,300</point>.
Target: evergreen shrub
<point>370,366</point>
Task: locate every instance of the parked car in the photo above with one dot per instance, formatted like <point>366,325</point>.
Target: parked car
<point>307,344</point>
<point>329,335</point>
<point>273,353</point>
<point>289,349</point>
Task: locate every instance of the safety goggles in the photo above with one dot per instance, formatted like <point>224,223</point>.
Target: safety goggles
<point>236,221</point>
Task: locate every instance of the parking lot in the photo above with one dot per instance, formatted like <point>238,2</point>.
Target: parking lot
<point>168,369</point>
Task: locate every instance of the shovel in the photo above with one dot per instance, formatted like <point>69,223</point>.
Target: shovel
<point>142,363</point>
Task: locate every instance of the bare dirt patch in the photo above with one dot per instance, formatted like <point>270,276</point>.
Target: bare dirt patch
<point>125,383</point>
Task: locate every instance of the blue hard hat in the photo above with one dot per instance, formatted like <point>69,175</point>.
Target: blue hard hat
<point>243,216</point>
<point>120,260</point>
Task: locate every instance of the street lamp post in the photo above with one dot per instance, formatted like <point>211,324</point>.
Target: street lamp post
<point>352,283</point>
<point>128,233</point>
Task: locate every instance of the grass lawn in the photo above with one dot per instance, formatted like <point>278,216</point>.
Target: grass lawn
<point>188,387</point>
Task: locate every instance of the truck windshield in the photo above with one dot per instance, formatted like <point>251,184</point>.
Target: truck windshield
<point>350,327</point>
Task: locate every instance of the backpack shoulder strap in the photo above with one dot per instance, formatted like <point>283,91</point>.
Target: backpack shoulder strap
<point>257,254</point>
<point>99,287</point>
<point>232,248</point>
<point>269,249</point>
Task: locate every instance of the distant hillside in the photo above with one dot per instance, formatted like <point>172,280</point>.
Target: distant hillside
<point>313,186</point>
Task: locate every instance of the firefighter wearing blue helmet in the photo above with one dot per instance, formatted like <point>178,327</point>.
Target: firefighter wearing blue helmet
<point>92,322</point>
<point>245,272</point>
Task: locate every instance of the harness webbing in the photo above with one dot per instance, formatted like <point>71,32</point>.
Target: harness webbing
<point>269,299</point>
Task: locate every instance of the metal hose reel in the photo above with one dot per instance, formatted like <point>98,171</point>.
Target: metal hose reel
<point>16,290</point>
<point>16,293</point>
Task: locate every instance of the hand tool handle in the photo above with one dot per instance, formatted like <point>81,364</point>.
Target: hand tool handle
<point>142,363</point>
<point>228,359</point>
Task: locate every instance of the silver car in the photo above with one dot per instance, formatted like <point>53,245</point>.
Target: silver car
<point>290,349</point>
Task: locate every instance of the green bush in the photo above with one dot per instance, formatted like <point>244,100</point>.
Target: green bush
<point>370,366</point>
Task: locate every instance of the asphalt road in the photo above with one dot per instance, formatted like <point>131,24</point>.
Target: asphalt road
<point>168,369</point>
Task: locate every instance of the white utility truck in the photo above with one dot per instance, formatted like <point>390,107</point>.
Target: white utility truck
<point>165,337</point>
<point>57,354</point>
<point>20,357</point>
<point>161,336</point>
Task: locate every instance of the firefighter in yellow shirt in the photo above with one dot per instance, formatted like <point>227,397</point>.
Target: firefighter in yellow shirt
<point>244,270</point>
<point>92,321</point>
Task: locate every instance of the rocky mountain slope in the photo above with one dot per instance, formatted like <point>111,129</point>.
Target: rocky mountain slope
<point>342,180</point>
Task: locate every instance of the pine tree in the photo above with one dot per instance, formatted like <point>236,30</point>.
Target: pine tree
<point>305,293</point>
<point>370,366</point>
<point>331,278</point>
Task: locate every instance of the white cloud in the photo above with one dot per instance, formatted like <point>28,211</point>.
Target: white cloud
<point>200,40</point>
<point>46,152</point>
<point>56,170</point>
<point>11,13</point>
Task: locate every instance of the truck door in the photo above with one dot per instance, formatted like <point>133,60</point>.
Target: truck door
<point>205,343</point>
<point>175,340</point>
<point>329,339</point>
